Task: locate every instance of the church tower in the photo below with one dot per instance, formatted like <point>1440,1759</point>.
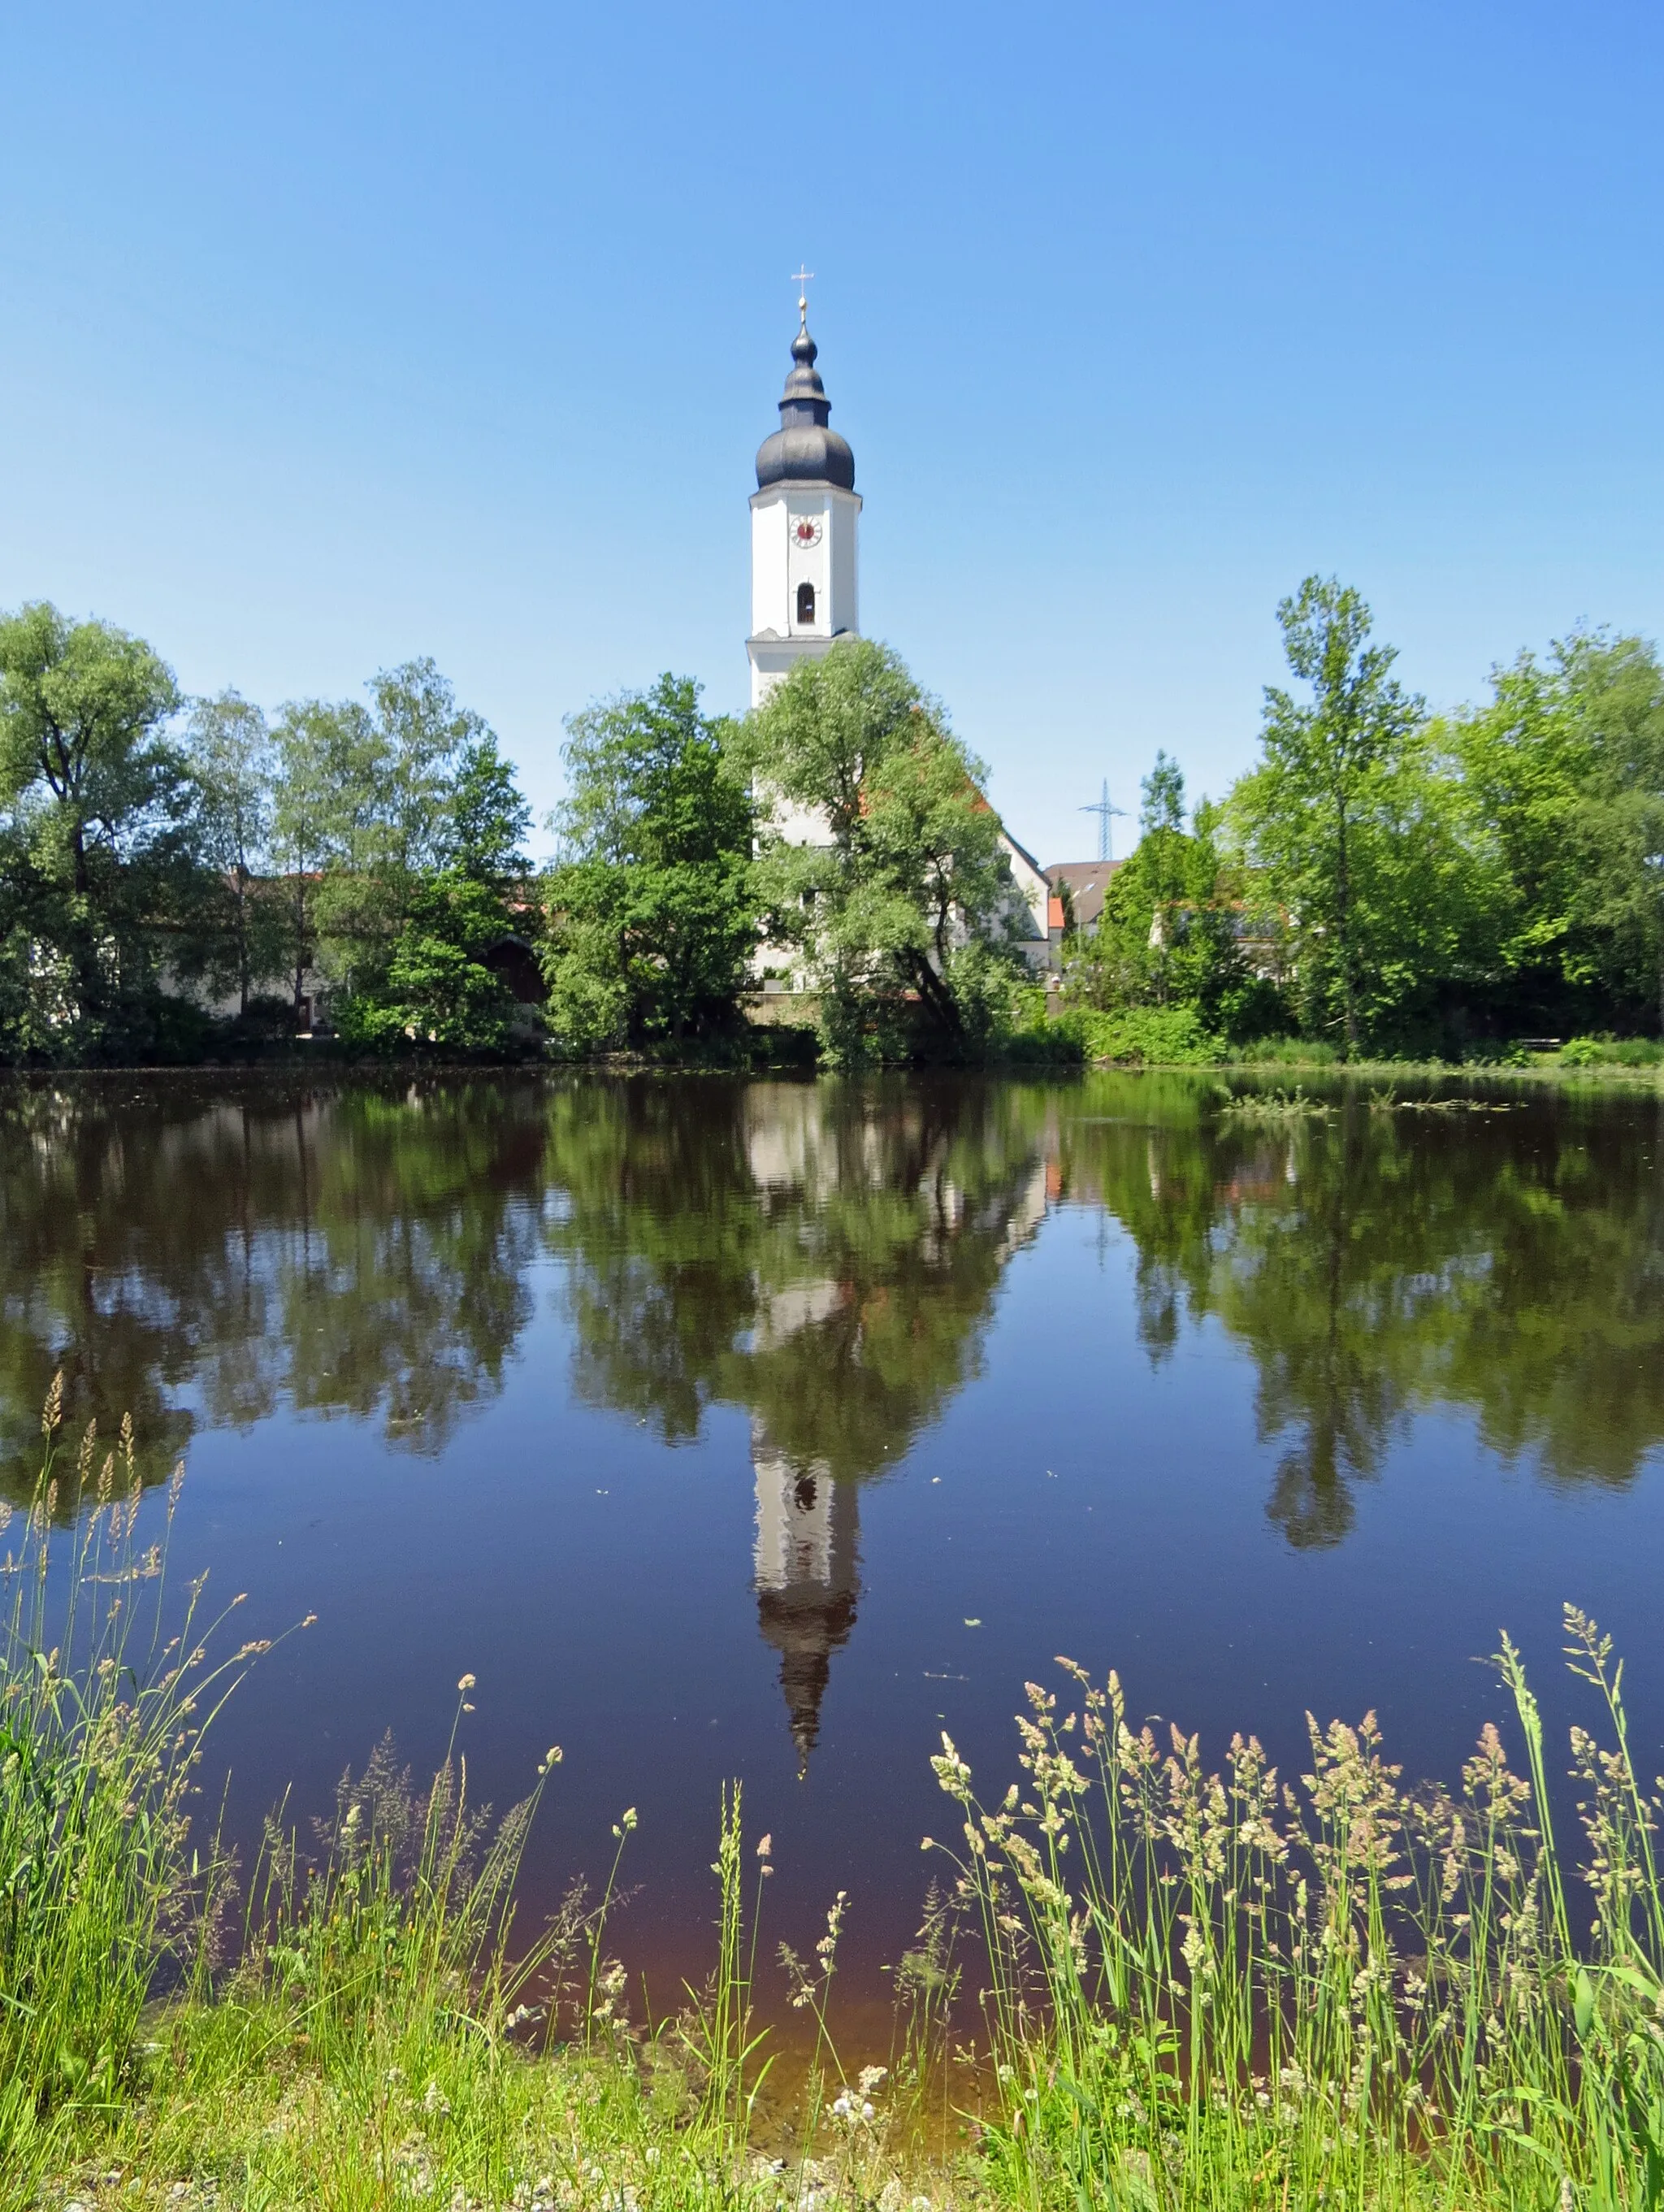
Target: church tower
<point>804,514</point>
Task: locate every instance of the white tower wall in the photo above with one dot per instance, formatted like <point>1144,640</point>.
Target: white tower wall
<point>801,533</point>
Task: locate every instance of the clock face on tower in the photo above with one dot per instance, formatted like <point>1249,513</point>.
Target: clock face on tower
<point>805,532</point>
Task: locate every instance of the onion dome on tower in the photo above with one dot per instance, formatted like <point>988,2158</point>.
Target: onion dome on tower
<point>804,450</point>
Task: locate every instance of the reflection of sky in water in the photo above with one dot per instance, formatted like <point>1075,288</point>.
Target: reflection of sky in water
<point>700,1420</point>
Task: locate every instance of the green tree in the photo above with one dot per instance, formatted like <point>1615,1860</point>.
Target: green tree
<point>1524,759</point>
<point>1172,872</point>
<point>436,989</point>
<point>383,815</point>
<point>651,920</point>
<point>489,820</point>
<point>374,801</point>
<point>1616,687</point>
<point>422,739</point>
<point>100,804</point>
<point>1562,776</point>
<point>318,748</point>
<point>1354,831</point>
<point>911,886</point>
<point>1167,934</point>
<point>230,754</point>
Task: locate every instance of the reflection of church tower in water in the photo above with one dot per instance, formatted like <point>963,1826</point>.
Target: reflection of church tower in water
<point>834,1395</point>
<point>806,1548</point>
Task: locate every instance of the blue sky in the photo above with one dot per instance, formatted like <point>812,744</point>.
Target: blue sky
<point>331,335</point>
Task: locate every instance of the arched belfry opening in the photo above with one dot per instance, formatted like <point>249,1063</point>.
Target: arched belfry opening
<point>805,603</point>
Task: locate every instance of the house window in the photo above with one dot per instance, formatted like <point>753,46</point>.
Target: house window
<point>805,603</point>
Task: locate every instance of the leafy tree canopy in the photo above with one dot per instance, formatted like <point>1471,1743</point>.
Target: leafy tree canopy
<point>905,888</point>
<point>488,818</point>
<point>243,937</point>
<point>436,991</point>
<point>1616,690</point>
<point>99,803</point>
<point>1168,933</point>
<point>652,920</point>
<point>1354,830</point>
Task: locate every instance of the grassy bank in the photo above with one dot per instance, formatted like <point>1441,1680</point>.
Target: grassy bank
<point>1156,1984</point>
<point>1175,1036</point>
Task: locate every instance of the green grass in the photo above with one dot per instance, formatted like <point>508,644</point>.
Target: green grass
<point>1146,1983</point>
<point>101,1719</point>
<point>1173,1038</point>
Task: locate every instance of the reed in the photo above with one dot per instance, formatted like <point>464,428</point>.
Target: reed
<point>1222,1988</point>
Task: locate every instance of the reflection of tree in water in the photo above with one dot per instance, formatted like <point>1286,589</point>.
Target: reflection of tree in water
<point>1379,1263</point>
<point>192,1251</point>
<point>823,1255</point>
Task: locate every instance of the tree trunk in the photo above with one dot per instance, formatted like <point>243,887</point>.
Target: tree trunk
<point>300,945</point>
<point>936,994</point>
<point>88,982</point>
<point>1343,935</point>
<point>242,946</point>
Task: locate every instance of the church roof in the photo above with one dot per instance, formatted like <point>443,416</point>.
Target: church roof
<point>804,450</point>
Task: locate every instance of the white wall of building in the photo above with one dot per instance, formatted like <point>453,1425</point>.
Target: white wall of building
<point>800,534</point>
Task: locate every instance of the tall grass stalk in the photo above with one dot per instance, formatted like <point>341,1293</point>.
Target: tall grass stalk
<point>1223,1988</point>
<point>732,2042</point>
<point>102,1715</point>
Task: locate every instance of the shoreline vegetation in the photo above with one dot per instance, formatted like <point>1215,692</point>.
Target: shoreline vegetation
<point>1598,1062</point>
<point>1142,1979</point>
<point>823,882</point>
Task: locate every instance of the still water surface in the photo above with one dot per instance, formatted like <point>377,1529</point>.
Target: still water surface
<point>765,1430</point>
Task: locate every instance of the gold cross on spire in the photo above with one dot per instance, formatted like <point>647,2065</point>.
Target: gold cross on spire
<point>803,278</point>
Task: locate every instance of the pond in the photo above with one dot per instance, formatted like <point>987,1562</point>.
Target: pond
<point>765,1430</point>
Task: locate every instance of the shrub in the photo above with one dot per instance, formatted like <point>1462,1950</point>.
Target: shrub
<point>1250,1010</point>
<point>436,992</point>
<point>1612,1052</point>
<point>1048,1044</point>
<point>1170,1037</point>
